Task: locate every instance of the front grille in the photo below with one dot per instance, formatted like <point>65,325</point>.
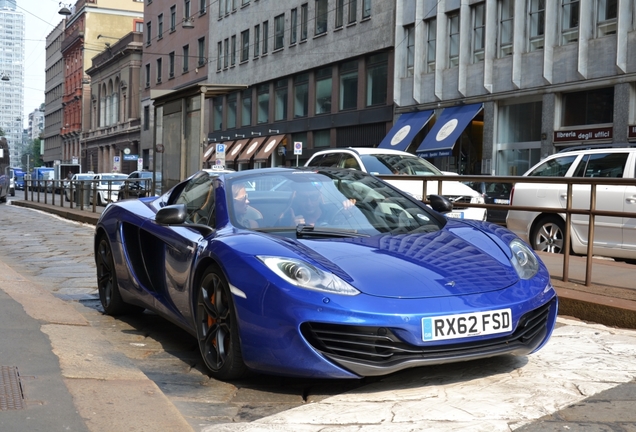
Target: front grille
<point>380,347</point>
<point>460,202</point>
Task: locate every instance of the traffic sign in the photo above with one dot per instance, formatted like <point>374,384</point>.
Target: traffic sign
<point>298,147</point>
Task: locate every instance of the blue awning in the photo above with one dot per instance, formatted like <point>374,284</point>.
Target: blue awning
<point>405,129</point>
<point>447,129</point>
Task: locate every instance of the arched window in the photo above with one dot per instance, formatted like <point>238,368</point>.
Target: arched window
<point>102,106</point>
<point>116,102</point>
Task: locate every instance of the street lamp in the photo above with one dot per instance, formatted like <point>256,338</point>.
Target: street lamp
<point>65,10</point>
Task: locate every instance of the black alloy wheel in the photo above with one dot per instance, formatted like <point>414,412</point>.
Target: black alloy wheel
<point>217,329</point>
<point>107,286</point>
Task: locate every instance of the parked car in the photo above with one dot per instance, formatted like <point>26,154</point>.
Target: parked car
<point>107,189</point>
<point>81,182</point>
<point>494,193</point>
<point>387,161</point>
<point>138,184</point>
<point>613,236</point>
<point>384,283</point>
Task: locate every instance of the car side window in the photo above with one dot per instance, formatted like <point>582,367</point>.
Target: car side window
<point>326,160</point>
<point>198,196</point>
<point>602,165</point>
<point>556,167</point>
<point>350,162</point>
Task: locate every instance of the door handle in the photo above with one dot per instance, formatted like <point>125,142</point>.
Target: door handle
<point>631,199</point>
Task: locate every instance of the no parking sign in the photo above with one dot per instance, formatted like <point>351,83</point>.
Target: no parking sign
<point>298,148</point>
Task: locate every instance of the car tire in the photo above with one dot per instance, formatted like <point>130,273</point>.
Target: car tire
<point>217,327</point>
<point>548,235</point>
<point>107,285</point>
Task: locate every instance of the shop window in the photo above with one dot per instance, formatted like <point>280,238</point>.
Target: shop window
<point>519,122</point>
<point>589,107</point>
<point>322,138</point>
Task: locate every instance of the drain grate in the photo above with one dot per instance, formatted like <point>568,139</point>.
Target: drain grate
<point>11,396</point>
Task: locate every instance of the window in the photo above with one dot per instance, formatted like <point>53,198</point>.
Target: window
<point>606,17</point>
<point>147,117</point>
<point>536,24</point>
<point>263,103</point>
<point>479,24</point>
<point>322,138</point>
<point>171,65</point>
<point>233,52</point>
<point>257,41</point>
<point>353,11</point>
<point>201,43</point>
<point>377,78</point>
<point>160,26</point>
<point>339,13</point>
<point>186,9</point>
<point>410,48</point>
<point>348,86</point>
<point>173,18</point>
<point>279,31</point>
<point>506,29</point>
<point>159,67</point>
<point>323,90</point>
<point>589,107</point>
<point>221,8</point>
<point>148,75</point>
<point>245,45</point>
<point>265,36</point>
<point>602,165</point>
<point>453,39</point>
<point>219,56</point>
<point>293,37</point>
<point>431,44</point>
<point>148,33</point>
<point>186,54</point>
<point>231,111</point>
<point>569,21</point>
<point>366,9</point>
<point>556,167</point>
<point>246,108</point>
<point>519,123</point>
<point>301,95</point>
<point>321,17</point>
<point>226,56</point>
<point>202,6</point>
<point>139,26</point>
<point>217,109</point>
<point>280,100</point>
<point>245,2</point>
<point>303,21</point>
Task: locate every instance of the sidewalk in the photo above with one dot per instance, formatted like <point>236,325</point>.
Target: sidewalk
<point>609,300</point>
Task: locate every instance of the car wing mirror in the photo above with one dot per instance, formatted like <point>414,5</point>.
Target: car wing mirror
<point>441,204</point>
<point>176,214</point>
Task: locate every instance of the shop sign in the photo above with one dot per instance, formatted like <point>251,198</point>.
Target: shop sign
<point>583,134</point>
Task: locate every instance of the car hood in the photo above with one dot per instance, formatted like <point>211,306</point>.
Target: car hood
<point>429,265</point>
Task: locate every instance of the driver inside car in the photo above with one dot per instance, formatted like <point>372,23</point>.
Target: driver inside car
<point>246,215</point>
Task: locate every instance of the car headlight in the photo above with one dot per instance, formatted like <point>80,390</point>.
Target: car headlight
<point>306,276</point>
<point>523,259</point>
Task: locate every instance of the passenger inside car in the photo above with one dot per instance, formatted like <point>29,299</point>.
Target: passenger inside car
<point>246,215</point>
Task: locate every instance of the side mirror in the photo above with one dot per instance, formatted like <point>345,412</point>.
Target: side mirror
<point>171,215</point>
<point>441,204</point>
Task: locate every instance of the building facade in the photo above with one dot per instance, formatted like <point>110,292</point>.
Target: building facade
<point>112,135</point>
<point>509,82</point>
<point>318,74</point>
<point>90,26</point>
<point>36,123</point>
<point>12,77</point>
<point>53,93</point>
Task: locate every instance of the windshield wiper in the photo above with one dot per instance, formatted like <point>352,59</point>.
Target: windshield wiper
<point>303,230</point>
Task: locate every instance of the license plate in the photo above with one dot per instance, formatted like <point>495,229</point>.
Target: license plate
<point>455,215</point>
<point>502,201</point>
<point>466,325</point>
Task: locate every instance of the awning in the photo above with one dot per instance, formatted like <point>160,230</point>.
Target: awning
<point>405,129</point>
<point>271,144</point>
<point>233,153</point>
<point>250,150</point>
<point>447,129</point>
<point>209,153</point>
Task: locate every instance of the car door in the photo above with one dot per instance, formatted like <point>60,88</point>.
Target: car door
<point>608,231</point>
<point>629,205</point>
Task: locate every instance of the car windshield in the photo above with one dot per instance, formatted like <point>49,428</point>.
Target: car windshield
<point>105,179</point>
<point>328,200</point>
<point>398,164</point>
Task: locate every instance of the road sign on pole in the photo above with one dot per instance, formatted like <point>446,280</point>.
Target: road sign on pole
<point>298,149</point>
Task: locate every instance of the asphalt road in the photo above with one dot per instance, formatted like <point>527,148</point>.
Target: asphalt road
<point>142,373</point>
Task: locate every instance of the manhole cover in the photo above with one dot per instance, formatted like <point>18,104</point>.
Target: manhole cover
<point>11,397</point>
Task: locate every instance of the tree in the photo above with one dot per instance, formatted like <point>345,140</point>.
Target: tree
<point>33,151</point>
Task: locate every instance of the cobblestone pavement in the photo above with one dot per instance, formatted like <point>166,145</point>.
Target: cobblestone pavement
<point>582,381</point>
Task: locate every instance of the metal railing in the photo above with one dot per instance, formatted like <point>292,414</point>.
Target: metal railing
<point>127,192</point>
<point>591,211</point>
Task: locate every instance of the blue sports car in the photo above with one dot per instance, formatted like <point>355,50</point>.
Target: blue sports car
<point>323,273</point>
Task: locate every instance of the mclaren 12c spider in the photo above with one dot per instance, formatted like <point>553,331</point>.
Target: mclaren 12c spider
<point>323,273</point>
